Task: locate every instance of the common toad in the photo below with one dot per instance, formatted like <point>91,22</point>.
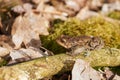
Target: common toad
<point>79,44</point>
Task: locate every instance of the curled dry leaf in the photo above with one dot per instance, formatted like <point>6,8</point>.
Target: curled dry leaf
<point>85,13</point>
<point>28,28</point>
<point>60,9</point>
<point>26,54</point>
<point>83,71</point>
<point>22,8</point>
<point>70,7</point>
<point>50,12</point>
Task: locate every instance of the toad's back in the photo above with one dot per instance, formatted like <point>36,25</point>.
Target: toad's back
<point>88,42</point>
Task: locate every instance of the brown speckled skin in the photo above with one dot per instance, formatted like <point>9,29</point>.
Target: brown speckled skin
<point>80,43</point>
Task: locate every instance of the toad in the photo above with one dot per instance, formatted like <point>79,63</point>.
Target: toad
<point>78,44</point>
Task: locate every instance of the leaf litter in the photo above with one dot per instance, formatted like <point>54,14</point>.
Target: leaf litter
<point>82,71</point>
<point>30,21</point>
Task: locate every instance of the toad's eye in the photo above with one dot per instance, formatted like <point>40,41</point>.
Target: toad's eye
<point>64,40</point>
<point>95,39</point>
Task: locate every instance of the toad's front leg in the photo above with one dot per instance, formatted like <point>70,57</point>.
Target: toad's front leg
<point>75,50</point>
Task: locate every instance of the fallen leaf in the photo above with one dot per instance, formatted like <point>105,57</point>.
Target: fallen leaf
<point>26,53</point>
<point>72,4</point>
<point>85,13</point>
<point>27,28</point>
<point>3,52</point>
<point>82,3</point>
<point>95,4</point>
<point>62,7</point>
<point>106,8</point>
<point>116,77</point>
<point>76,5</point>
<point>23,54</point>
<point>7,4</point>
<point>50,12</point>
<point>6,42</point>
<point>26,7</point>
<point>83,71</point>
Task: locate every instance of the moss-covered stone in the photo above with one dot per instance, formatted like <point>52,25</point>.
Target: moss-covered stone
<point>51,65</point>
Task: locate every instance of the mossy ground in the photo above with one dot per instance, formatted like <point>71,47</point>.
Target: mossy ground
<point>96,26</point>
<point>114,15</point>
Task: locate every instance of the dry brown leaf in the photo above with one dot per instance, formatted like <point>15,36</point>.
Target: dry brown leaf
<point>6,42</point>
<point>83,71</point>
<point>30,53</point>
<point>6,4</point>
<point>60,9</point>
<point>26,54</point>
<point>85,13</point>
<point>27,28</point>
<point>95,4</point>
<point>61,6</point>
<point>82,3</point>
<point>22,8</point>
<point>116,77</point>
<point>76,5</point>
<point>106,8</point>
<point>72,5</point>
<point>3,52</point>
<point>50,12</point>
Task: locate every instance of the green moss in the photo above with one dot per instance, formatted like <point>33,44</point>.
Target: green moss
<point>96,26</point>
<point>116,69</point>
<point>51,44</point>
<point>114,15</point>
<point>108,31</point>
<point>3,62</point>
